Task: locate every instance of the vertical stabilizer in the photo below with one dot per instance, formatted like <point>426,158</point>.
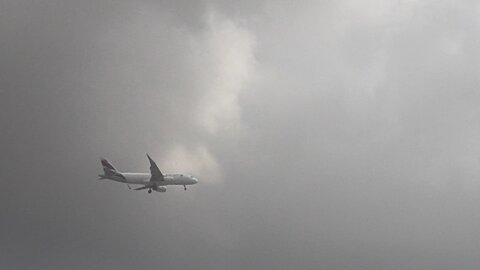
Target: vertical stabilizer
<point>110,172</point>
<point>108,168</point>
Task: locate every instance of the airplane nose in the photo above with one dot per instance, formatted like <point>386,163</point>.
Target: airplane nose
<point>195,180</point>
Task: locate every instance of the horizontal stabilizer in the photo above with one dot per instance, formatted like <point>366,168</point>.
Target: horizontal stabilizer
<point>140,188</point>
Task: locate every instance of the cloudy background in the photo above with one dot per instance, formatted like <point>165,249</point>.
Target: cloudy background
<point>325,134</point>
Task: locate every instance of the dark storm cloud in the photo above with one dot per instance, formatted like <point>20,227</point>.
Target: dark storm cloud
<point>330,135</point>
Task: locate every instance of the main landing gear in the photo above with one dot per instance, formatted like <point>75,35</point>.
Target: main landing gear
<point>184,187</point>
<point>149,190</point>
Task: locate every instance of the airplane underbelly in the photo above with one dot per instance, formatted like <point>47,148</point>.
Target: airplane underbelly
<point>166,183</point>
<point>175,182</point>
<point>137,180</point>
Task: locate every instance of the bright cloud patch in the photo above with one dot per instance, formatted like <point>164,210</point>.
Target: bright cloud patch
<point>193,160</point>
<point>230,47</point>
<point>223,57</point>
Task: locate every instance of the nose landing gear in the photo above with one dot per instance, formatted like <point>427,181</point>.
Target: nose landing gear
<point>149,190</point>
<point>184,187</point>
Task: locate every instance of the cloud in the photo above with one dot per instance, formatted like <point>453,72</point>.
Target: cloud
<point>230,48</point>
<point>196,160</point>
<point>224,55</point>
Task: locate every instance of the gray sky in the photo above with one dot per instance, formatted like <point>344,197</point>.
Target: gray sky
<point>326,135</point>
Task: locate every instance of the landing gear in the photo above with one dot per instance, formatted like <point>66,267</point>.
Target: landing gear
<point>184,187</point>
<point>149,190</point>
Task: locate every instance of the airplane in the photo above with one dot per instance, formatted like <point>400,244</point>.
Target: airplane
<point>155,180</point>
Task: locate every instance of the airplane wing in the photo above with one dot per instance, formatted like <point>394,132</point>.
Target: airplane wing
<point>154,171</point>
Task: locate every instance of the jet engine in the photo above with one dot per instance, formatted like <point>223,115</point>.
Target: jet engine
<point>159,189</point>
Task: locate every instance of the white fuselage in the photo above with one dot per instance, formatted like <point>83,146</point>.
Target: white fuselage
<point>144,179</point>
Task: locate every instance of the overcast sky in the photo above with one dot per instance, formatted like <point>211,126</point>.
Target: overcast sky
<point>325,134</point>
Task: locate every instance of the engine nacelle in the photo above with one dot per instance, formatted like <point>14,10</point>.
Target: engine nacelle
<point>159,189</point>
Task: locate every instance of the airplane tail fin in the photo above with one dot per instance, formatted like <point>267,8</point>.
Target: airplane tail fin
<point>108,168</point>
